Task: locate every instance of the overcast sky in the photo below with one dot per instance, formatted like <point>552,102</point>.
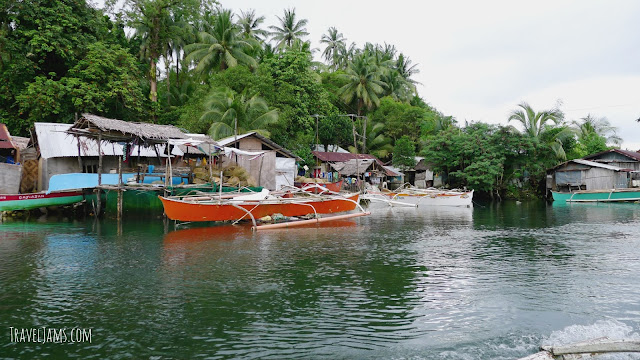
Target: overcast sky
<point>479,59</point>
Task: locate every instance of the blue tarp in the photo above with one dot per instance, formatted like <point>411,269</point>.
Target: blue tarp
<point>83,181</point>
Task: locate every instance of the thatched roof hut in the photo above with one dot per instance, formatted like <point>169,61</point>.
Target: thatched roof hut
<point>94,126</point>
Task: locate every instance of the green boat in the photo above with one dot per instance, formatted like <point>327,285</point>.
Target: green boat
<point>13,202</point>
<point>605,195</point>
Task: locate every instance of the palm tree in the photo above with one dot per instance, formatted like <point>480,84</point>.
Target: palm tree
<point>150,30</point>
<point>221,47</point>
<point>335,45</point>
<point>598,126</point>
<point>363,83</point>
<point>289,29</point>
<point>249,24</point>
<point>231,114</point>
<point>534,123</point>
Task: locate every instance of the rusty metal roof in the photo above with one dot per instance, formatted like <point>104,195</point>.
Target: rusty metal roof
<point>630,154</point>
<point>5,138</point>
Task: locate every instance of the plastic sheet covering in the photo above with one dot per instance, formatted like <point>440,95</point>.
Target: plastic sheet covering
<point>569,178</point>
<point>285,172</point>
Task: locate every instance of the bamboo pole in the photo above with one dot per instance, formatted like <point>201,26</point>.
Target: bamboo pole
<point>306,222</point>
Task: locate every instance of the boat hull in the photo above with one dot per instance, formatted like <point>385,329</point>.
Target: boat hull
<point>15,202</point>
<point>612,195</point>
<point>213,211</point>
<point>464,199</point>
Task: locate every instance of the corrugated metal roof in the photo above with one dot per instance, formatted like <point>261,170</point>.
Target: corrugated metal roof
<point>590,163</point>
<point>597,164</point>
<point>393,170</point>
<point>54,141</point>
<point>231,139</point>
<point>337,157</point>
<point>630,154</point>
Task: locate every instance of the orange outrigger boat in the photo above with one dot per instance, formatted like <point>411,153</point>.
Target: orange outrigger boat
<point>211,208</point>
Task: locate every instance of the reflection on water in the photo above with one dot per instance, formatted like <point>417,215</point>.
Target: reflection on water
<point>490,282</point>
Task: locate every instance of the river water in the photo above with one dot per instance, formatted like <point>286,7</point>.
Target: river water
<point>492,282</point>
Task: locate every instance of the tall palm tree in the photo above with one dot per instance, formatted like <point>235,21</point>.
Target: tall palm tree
<point>598,126</point>
<point>150,29</point>
<point>250,23</point>
<point>534,122</point>
<point>335,42</point>
<point>221,47</point>
<point>289,29</point>
<point>232,114</point>
<point>363,83</point>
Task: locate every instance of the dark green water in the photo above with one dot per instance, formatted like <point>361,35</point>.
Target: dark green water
<point>491,282</point>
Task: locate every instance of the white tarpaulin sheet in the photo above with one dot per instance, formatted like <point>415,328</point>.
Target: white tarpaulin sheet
<point>285,172</point>
<point>228,152</point>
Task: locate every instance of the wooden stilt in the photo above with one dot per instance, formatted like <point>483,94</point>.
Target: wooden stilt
<point>120,189</point>
<point>99,191</point>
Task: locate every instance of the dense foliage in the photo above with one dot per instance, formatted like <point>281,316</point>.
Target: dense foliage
<point>199,66</point>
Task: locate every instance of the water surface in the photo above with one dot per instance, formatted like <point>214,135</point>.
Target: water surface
<point>492,282</point>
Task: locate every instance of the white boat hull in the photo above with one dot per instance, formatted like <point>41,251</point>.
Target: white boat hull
<point>435,198</point>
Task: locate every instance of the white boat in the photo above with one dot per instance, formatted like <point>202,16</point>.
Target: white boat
<point>422,197</point>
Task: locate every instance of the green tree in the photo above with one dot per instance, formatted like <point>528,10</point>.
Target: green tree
<point>41,42</point>
<point>287,82</point>
<point>289,29</point>
<point>333,130</point>
<point>400,119</point>
<point>404,153</point>
<point>221,47</point>
<point>233,114</point>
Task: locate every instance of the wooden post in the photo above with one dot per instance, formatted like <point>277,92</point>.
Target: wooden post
<point>99,159</point>
<point>79,154</point>
<point>138,180</point>
<point>120,189</point>
<point>98,192</point>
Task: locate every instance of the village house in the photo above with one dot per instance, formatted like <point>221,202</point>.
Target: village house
<point>63,153</point>
<point>580,174</point>
<point>335,165</point>
<point>268,163</point>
